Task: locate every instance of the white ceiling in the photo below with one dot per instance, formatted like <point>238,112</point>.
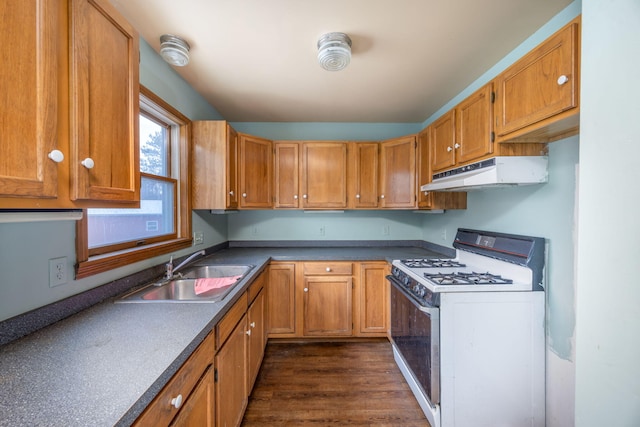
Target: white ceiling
<point>255,60</point>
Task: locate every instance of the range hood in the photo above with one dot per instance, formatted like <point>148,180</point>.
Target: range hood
<point>500,171</point>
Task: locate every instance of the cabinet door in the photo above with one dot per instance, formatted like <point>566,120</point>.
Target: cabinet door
<point>374,298</point>
<point>398,173</point>
<point>104,103</point>
<point>328,306</point>
<point>231,384</point>
<point>474,126</point>
<point>29,101</point>
<point>257,338</point>
<point>363,175</point>
<point>256,165</point>
<point>286,174</point>
<point>199,409</point>
<point>443,140</point>
<point>281,309</point>
<point>214,169</point>
<point>324,175</point>
<point>542,84</point>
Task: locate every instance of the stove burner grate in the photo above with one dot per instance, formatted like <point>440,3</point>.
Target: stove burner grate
<point>431,263</point>
<point>464,278</point>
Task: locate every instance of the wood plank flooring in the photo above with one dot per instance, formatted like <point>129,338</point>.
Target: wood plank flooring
<point>329,384</point>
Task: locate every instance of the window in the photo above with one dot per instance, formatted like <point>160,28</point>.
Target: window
<point>112,237</point>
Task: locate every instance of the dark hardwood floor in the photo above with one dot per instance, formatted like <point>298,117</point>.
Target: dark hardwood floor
<point>329,384</point>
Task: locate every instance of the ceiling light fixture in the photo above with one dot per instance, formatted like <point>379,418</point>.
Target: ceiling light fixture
<point>334,51</point>
<point>174,50</point>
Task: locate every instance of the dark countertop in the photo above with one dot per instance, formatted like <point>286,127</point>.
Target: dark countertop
<point>104,365</point>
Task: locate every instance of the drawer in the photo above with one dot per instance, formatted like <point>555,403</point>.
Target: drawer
<point>231,319</point>
<point>256,286</point>
<point>161,411</point>
<point>329,268</point>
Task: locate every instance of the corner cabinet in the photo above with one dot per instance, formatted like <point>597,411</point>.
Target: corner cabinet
<point>256,172</point>
<point>215,165</point>
<point>70,109</point>
<point>538,96</point>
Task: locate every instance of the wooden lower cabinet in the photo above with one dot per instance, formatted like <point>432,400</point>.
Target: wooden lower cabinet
<point>189,390</point>
<point>372,301</point>
<point>231,383</point>
<point>281,300</point>
<point>327,306</point>
<point>198,410</point>
<point>328,299</point>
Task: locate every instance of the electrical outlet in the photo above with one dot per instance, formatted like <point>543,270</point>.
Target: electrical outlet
<point>198,238</point>
<point>385,230</point>
<point>57,271</point>
<point>322,230</point>
<point>254,231</point>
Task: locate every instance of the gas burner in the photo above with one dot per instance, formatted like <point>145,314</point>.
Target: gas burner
<point>431,263</point>
<point>467,278</point>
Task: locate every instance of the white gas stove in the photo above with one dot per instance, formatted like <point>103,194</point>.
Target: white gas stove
<point>468,332</point>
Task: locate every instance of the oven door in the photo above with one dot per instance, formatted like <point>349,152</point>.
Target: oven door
<point>415,332</point>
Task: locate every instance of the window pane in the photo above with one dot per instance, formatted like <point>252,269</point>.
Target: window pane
<point>154,218</point>
<point>153,147</point>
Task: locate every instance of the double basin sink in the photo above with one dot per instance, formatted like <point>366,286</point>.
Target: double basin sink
<point>183,287</point>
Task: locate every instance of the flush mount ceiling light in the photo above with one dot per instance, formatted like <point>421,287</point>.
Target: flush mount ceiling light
<point>334,51</point>
<point>174,50</point>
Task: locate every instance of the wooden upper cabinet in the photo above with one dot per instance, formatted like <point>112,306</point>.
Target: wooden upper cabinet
<point>443,140</point>
<point>537,97</point>
<point>323,175</point>
<point>474,131</point>
<point>362,181</point>
<point>29,103</point>
<point>398,173</point>
<point>104,103</point>
<point>256,172</point>
<point>286,173</point>
<point>215,165</point>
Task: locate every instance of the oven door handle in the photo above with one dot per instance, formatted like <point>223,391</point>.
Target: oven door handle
<point>429,309</point>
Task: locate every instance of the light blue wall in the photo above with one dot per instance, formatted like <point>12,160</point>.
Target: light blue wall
<point>349,225</point>
<point>328,131</point>
<point>608,300</point>
<point>25,248</point>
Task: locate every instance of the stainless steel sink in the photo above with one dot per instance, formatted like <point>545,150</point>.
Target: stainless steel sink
<point>182,289</point>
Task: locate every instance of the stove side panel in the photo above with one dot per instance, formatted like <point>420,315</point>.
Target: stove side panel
<point>492,359</point>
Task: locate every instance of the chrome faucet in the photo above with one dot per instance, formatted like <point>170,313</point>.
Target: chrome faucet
<point>170,270</point>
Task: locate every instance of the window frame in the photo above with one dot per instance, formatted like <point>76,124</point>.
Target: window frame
<point>89,262</point>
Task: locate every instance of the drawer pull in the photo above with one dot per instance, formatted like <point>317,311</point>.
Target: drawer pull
<point>176,402</point>
<point>328,269</point>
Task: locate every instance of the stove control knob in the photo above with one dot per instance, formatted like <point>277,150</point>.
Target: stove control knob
<point>406,280</point>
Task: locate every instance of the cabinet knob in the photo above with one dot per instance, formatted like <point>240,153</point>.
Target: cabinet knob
<point>248,332</point>
<point>328,269</point>
<point>382,196</point>
<point>357,196</point>
<point>426,193</point>
<point>176,402</point>
<point>252,324</point>
<point>562,80</point>
<point>456,146</point>
<point>88,163</point>
<point>56,156</point>
<point>244,194</point>
<point>304,196</point>
<point>231,193</point>
<point>295,197</point>
<point>449,149</point>
<point>306,289</point>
